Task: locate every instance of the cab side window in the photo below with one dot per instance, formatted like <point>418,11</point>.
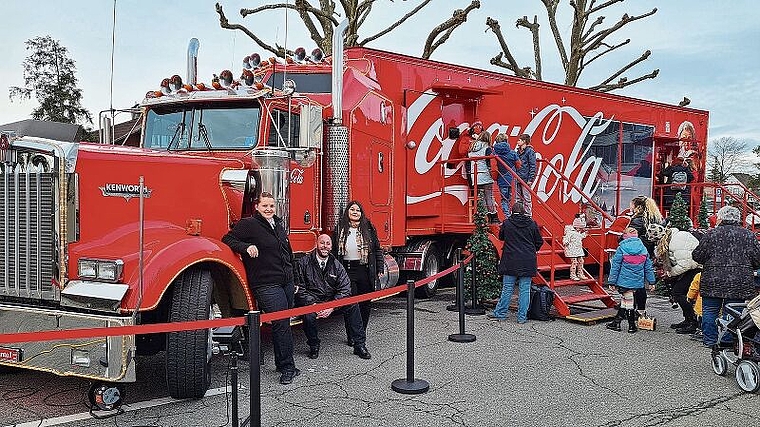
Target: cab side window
<point>285,126</point>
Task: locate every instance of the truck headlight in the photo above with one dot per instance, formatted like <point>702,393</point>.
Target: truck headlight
<point>99,269</point>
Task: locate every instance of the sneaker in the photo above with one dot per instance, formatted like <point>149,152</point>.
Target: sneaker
<point>696,336</point>
<point>287,376</point>
<point>491,316</point>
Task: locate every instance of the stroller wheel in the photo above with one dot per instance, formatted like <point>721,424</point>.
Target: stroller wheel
<point>748,376</point>
<point>719,363</point>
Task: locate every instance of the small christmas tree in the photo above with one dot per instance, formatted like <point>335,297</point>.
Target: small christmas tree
<point>702,218</point>
<point>678,216</point>
<point>487,277</point>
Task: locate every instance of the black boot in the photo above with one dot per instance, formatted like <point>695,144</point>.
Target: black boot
<point>615,324</point>
<point>633,317</point>
<point>493,218</point>
<point>689,328</point>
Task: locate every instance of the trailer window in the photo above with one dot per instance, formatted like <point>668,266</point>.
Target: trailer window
<point>626,151</point>
<point>202,127</point>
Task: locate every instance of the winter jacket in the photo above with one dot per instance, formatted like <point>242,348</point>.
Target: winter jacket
<point>274,265</point>
<point>375,258</point>
<point>678,176</point>
<point>631,266</point>
<point>729,255</point>
<point>316,285</point>
<point>508,156</point>
<point>480,148</point>
<point>693,294</point>
<point>640,225</point>
<point>680,247</point>
<point>572,241</point>
<point>522,239</point>
<point>527,169</point>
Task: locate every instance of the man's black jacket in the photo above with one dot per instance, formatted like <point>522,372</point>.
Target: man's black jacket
<point>315,285</point>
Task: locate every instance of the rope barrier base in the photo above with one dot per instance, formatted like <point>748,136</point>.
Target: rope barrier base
<point>405,386</point>
<point>462,337</point>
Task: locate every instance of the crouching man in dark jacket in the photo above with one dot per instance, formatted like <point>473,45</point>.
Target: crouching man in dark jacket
<point>322,278</point>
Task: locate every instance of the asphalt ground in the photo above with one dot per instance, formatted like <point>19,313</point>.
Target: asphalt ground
<point>553,373</point>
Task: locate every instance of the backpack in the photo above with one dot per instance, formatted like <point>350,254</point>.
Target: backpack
<point>680,179</point>
<point>541,301</point>
<point>654,232</point>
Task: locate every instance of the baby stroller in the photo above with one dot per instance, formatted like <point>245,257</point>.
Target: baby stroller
<point>742,325</point>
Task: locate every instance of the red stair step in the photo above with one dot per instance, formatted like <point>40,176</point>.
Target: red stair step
<point>584,297</point>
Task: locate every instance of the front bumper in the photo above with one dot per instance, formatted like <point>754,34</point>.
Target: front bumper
<point>107,358</point>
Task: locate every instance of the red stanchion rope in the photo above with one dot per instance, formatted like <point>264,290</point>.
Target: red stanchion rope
<point>153,328</point>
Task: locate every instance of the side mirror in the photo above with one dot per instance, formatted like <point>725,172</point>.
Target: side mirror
<point>454,133</point>
<point>311,133</point>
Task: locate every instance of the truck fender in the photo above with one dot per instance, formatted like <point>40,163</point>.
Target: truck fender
<point>163,266</point>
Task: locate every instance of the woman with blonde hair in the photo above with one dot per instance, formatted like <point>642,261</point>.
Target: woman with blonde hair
<point>646,219</point>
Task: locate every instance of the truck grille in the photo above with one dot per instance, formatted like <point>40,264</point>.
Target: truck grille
<point>27,233</point>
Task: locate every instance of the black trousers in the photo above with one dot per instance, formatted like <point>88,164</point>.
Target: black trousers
<point>271,298</point>
<point>678,291</point>
<point>361,283</point>
<point>352,318</point>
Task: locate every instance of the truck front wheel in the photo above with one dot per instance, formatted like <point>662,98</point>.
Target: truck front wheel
<point>188,353</point>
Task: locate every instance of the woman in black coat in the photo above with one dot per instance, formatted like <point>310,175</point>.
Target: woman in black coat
<point>263,244</point>
<point>729,254</point>
<point>357,247</point>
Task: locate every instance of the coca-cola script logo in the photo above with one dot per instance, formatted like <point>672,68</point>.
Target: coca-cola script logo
<point>435,146</point>
<point>296,176</point>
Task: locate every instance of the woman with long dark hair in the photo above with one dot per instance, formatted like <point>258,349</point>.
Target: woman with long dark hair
<point>357,247</point>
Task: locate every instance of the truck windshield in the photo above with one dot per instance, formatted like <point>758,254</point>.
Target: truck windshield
<point>202,127</point>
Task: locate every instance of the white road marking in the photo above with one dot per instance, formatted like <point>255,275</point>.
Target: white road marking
<point>127,408</point>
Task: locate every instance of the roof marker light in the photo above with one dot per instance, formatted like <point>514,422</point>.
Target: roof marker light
<point>299,55</point>
<point>317,56</point>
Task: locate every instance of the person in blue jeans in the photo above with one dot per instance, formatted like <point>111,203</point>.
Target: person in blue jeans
<point>730,254</point>
<point>518,263</point>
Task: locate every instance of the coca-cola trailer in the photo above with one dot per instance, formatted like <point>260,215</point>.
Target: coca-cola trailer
<point>98,235</point>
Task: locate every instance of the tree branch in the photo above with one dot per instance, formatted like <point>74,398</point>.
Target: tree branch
<point>551,13</point>
<point>224,23</point>
<point>630,65</point>
<point>512,63</point>
<point>395,24</point>
<point>533,27</point>
<point>610,49</point>
<point>299,4</point>
<point>595,40</point>
<point>623,82</point>
<point>447,27</point>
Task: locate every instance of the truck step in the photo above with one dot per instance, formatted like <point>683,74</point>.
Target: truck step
<point>590,296</point>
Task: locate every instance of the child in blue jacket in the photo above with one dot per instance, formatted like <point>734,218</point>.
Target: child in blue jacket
<point>630,269</point>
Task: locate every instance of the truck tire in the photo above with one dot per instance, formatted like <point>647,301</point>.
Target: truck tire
<point>188,353</point>
<point>430,267</point>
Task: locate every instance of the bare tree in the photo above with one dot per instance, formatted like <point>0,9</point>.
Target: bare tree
<point>588,41</point>
<point>321,20</point>
<point>725,156</point>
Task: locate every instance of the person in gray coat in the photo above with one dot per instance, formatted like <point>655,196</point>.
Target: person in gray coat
<point>729,254</point>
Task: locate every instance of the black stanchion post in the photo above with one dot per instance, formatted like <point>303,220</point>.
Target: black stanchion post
<point>234,386</point>
<point>461,336</point>
<point>410,385</point>
<point>475,309</point>
<point>254,353</point>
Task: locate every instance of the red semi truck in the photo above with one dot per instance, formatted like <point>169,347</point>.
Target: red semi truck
<point>96,235</point>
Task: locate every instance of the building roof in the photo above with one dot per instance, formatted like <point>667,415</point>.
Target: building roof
<point>45,129</point>
<point>742,177</point>
<point>124,130</point>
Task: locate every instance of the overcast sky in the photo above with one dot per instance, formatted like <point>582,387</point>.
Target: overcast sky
<point>705,49</point>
